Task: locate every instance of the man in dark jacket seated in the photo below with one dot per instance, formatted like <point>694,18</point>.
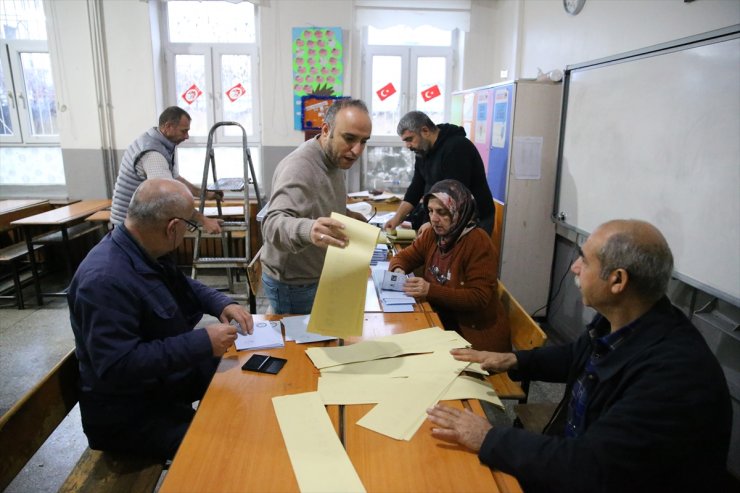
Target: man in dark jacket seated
<point>133,312</point>
<point>646,405</point>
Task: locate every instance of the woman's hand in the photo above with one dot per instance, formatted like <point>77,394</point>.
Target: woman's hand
<point>416,287</point>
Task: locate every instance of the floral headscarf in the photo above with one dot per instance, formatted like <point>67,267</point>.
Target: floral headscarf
<point>458,200</point>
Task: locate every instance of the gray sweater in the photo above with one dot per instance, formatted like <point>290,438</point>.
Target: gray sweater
<point>305,187</point>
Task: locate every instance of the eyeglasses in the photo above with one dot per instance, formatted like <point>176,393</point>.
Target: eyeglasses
<point>190,225</point>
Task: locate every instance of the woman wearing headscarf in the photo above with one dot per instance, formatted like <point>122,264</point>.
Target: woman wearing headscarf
<point>459,278</point>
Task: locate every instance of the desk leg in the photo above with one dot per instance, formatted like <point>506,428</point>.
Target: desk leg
<point>68,253</point>
<point>34,268</point>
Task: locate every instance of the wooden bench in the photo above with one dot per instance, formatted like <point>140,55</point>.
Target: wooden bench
<point>27,425</point>
<point>13,256</point>
<point>525,334</point>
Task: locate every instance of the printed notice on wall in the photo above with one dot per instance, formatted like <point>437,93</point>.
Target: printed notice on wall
<point>500,111</point>
<point>481,115</point>
<point>527,158</point>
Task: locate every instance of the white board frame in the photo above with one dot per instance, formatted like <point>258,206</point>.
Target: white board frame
<point>655,134</point>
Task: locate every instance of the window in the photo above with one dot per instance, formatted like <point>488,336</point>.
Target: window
<point>29,135</point>
<point>406,69</point>
<point>211,55</point>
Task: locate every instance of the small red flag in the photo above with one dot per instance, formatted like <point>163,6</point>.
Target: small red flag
<point>386,91</point>
<point>235,92</point>
<point>192,93</point>
<point>430,93</point>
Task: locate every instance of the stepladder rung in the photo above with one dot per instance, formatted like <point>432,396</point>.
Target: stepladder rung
<point>217,262</point>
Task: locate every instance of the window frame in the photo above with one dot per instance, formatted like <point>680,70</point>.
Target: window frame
<point>212,53</point>
<point>14,78</point>
<point>409,55</point>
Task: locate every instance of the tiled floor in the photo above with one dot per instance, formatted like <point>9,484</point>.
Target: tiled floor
<point>33,340</point>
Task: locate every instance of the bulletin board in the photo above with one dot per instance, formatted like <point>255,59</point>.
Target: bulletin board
<point>654,135</point>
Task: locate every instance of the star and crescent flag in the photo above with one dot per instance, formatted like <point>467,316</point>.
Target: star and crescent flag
<point>431,93</point>
<point>386,91</point>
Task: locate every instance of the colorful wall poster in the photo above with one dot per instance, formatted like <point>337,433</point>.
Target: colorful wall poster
<point>318,65</point>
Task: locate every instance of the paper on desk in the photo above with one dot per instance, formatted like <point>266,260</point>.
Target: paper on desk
<point>378,272</point>
<point>361,194</point>
<point>295,330</point>
<point>418,341</point>
<point>340,298</point>
<point>266,335</point>
<point>467,387</point>
<point>349,388</point>
<point>400,414</point>
<point>319,460</point>
<point>380,219</point>
<point>372,304</point>
<point>402,234</point>
<point>398,367</point>
<point>361,207</point>
<point>393,281</point>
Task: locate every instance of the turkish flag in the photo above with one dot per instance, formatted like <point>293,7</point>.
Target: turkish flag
<point>386,91</point>
<point>235,92</point>
<point>430,93</point>
<point>192,93</point>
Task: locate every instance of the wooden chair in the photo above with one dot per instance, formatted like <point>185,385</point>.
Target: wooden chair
<point>27,425</point>
<point>525,334</point>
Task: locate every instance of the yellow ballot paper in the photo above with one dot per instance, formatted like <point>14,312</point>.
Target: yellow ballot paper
<point>340,298</point>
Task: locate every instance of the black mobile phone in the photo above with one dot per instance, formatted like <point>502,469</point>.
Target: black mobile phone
<point>264,364</point>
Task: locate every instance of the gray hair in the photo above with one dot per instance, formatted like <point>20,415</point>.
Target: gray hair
<point>173,115</point>
<point>340,104</point>
<point>413,121</point>
<point>153,206</point>
<point>649,262</point>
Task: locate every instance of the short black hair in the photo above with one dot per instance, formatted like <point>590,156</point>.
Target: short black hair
<point>413,121</point>
<point>173,115</point>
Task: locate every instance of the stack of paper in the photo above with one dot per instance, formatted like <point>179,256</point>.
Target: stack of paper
<point>390,301</point>
<point>404,374</point>
<point>266,335</point>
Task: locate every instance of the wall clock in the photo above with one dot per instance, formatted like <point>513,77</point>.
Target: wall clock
<point>573,6</point>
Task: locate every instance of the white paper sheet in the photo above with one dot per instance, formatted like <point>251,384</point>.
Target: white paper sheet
<point>266,335</point>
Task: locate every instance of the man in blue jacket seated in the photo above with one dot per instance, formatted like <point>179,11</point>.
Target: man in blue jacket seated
<point>133,313</point>
<point>646,405</point>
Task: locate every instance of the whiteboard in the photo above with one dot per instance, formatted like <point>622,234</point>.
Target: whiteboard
<point>656,137</point>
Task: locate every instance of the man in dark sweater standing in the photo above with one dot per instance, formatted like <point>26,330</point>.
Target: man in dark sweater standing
<point>443,152</point>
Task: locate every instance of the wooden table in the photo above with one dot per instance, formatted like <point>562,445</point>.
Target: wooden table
<point>234,443</point>
<point>62,219</point>
<point>12,210</point>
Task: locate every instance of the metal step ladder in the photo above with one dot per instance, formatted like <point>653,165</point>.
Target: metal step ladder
<point>228,261</point>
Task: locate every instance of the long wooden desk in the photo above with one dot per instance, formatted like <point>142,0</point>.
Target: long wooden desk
<point>234,443</point>
<point>62,218</point>
<point>12,210</point>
